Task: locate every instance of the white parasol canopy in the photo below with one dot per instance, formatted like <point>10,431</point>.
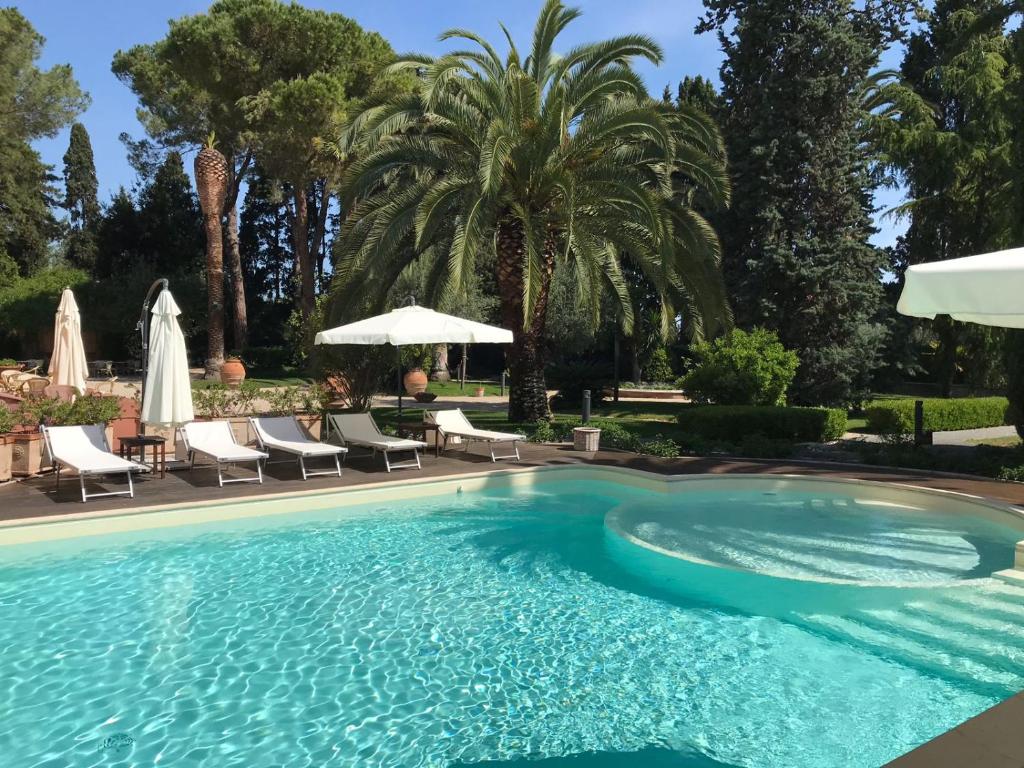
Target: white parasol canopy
<point>986,289</point>
<point>414,325</point>
<point>168,390</point>
<point>67,363</point>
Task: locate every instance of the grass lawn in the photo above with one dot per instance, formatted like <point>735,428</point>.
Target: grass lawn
<point>1003,442</point>
<point>452,388</point>
<point>646,419</point>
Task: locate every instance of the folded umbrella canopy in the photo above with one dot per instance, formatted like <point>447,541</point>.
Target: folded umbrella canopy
<point>414,325</point>
<point>167,401</point>
<point>67,363</point>
<point>986,289</point>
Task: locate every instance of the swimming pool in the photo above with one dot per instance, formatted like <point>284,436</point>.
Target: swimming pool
<point>490,627</point>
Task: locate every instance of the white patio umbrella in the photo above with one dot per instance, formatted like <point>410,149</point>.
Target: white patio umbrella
<point>67,363</point>
<point>986,289</point>
<point>414,325</point>
<point>167,398</point>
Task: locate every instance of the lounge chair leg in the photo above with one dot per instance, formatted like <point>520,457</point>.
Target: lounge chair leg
<point>58,476</point>
<point>220,476</point>
<point>516,446</point>
<point>81,482</point>
<point>302,466</point>
<point>191,460</point>
<point>416,453</point>
<point>259,470</point>
<point>131,488</point>
<point>337,464</point>
<point>386,462</point>
<point>493,460</point>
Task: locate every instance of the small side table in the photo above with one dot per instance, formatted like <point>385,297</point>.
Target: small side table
<point>129,444</point>
<point>420,429</point>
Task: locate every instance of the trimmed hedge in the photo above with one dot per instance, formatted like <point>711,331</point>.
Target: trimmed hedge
<point>737,423</point>
<point>896,417</point>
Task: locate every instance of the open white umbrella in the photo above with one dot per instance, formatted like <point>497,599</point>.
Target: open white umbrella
<point>414,325</point>
<point>67,363</point>
<point>167,398</point>
<point>986,289</point>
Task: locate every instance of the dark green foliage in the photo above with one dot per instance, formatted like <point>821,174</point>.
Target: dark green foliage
<point>658,367</point>
<point>741,369</point>
<point>80,201</point>
<point>571,378</point>
<point>89,409</point>
<point>736,423</point>
<point>896,417</point>
<point>613,435</point>
<point>795,242</point>
<point>34,103</point>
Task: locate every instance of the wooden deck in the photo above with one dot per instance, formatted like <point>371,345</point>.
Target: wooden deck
<point>40,497</point>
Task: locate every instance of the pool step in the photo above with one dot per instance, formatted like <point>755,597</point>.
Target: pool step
<point>889,641</point>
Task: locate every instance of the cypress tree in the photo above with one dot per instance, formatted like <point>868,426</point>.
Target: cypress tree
<point>796,255</point>
<point>80,201</point>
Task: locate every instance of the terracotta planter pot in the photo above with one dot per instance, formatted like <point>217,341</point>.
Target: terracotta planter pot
<point>425,397</point>
<point>232,373</point>
<point>479,391</point>
<point>27,453</point>
<point>15,367</point>
<point>5,459</point>
<point>415,380</point>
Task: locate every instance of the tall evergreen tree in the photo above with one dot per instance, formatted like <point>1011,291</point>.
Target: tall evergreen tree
<point>956,163</point>
<point>34,103</point>
<point>80,201</point>
<point>796,253</point>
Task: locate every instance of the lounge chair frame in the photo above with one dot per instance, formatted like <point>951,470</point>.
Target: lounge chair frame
<point>339,456</point>
<point>413,463</point>
<point>59,464</point>
<point>469,437</point>
<point>193,450</point>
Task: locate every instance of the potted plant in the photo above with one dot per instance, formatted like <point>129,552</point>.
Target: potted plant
<point>6,425</point>
<point>479,391</point>
<point>232,373</point>
<point>9,364</point>
<point>415,358</point>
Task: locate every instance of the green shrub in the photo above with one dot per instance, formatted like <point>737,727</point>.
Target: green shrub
<point>741,369</point>
<point>658,368</point>
<point>6,420</point>
<point>736,423</point>
<point>895,418</point>
<point>8,361</point>
<point>570,379</point>
<point>542,432</point>
<point>267,359</point>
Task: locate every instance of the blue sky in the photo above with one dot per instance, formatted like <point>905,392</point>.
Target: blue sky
<point>86,34</point>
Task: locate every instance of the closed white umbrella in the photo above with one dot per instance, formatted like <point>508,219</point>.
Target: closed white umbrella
<point>167,401</point>
<point>67,363</point>
<point>414,325</point>
<point>986,289</point>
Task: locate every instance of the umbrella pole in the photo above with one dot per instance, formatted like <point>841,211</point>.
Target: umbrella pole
<point>398,354</point>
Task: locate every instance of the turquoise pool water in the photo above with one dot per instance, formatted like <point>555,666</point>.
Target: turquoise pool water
<point>490,629</point>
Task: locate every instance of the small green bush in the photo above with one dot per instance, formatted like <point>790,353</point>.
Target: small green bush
<point>658,368</point>
<point>570,379</point>
<point>736,423</point>
<point>741,369</point>
<point>6,420</point>
<point>895,418</point>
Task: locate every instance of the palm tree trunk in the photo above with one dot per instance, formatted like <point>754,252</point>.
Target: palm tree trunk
<point>214,294</point>
<point>528,397</point>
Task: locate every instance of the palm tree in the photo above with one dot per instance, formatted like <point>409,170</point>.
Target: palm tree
<point>553,161</point>
<point>211,170</point>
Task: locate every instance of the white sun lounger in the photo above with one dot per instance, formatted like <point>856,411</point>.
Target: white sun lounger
<point>360,429</point>
<point>283,433</point>
<point>215,440</point>
<point>453,423</point>
<point>85,450</point>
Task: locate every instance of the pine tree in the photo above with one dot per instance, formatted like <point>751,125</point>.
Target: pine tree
<point>80,201</point>
<point>796,253</point>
